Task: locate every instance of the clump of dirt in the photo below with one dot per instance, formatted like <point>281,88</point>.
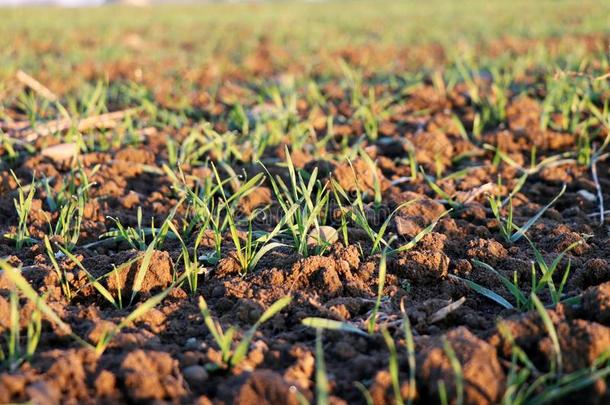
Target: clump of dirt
<point>150,375</point>
<point>359,175</point>
<point>483,377</point>
<point>157,276</point>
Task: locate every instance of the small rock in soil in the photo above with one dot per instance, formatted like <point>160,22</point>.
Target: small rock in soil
<point>195,375</point>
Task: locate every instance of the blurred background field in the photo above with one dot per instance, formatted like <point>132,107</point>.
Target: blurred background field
<point>186,40</point>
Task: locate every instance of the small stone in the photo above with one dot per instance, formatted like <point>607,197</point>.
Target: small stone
<point>587,195</point>
<point>192,344</point>
<point>61,152</point>
<point>195,375</point>
<point>322,234</point>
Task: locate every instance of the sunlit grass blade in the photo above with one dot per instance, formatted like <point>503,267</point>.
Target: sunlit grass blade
<point>523,229</point>
<point>21,283</point>
<point>548,324</point>
<point>331,324</point>
<point>486,292</point>
<point>393,366</point>
<point>322,385</point>
<point>457,371</point>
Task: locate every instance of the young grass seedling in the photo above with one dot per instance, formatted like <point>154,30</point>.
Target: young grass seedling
<point>357,213</point>
<point>457,371</point>
<point>372,321</point>
<point>300,194</point>
<point>60,272</point>
<point>224,339</point>
<point>393,366</point>
<point>92,280</point>
<point>409,342</point>
<point>14,275</point>
<point>26,289</point>
<point>549,270</point>
<point>507,226</point>
<point>523,302</point>
<point>15,354</point>
<point>137,313</point>
<point>23,206</point>
<point>322,385</point>
<point>556,365</point>
<point>331,324</point>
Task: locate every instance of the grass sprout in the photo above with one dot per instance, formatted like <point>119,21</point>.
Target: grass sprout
<point>507,225</point>
<point>23,206</point>
<point>457,371</point>
<point>224,339</point>
<point>17,351</point>
<point>393,366</point>
<point>322,385</point>
<point>310,204</point>
<point>331,324</point>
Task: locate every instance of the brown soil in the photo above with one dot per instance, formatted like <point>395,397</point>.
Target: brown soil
<point>165,356</point>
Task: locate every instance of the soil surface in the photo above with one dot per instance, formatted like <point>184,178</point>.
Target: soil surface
<point>169,356</point>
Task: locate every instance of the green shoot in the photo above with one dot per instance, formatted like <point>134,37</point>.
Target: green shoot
<point>380,285</point>
<point>393,366</point>
<point>23,206</point>
<point>322,385</point>
<point>224,340</point>
<point>61,274</point>
<point>409,342</point>
<point>457,371</point>
<point>330,324</point>
<point>16,354</point>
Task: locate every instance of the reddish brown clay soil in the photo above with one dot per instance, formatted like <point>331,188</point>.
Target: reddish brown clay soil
<point>164,356</point>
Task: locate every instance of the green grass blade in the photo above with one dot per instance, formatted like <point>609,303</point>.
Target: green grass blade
<point>522,230</point>
<point>548,324</point>
<point>331,324</point>
<point>322,385</point>
<point>486,292</point>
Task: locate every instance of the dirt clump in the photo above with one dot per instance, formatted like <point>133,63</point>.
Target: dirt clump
<point>151,375</point>
<point>158,275</point>
<point>483,376</point>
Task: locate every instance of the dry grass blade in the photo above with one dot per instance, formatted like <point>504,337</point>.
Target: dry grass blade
<point>445,311</point>
<point>108,120</point>
<point>35,85</point>
<point>600,196</point>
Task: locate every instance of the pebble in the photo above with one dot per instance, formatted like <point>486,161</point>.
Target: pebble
<point>192,344</point>
<point>587,195</point>
<point>61,152</point>
<point>321,234</point>
<point>195,375</point>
